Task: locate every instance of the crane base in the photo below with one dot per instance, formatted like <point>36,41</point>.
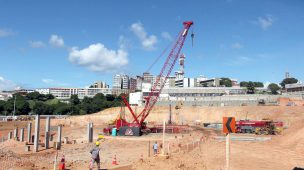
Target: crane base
<point>129,131</point>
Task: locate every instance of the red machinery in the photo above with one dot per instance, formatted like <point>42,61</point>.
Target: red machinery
<point>259,126</point>
<point>137,126</point>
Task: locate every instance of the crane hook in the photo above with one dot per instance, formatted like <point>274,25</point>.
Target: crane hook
<point>192,37</point>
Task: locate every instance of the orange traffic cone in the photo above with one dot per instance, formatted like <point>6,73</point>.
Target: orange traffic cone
<point>114,162</point>
<point>62,163</point>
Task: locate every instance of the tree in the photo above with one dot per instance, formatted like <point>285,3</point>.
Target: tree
<point>250,87</point>
<point>99,102</point>
<point>258,84</point>
<point>244,84</point>
<point>87,105</point>
<point>110,97</point>
<point>74,100</point>
<point>2,107</point>
<point>21,105</point>
<point>288,81</point>
<point>49,97</point>
<point>33,96</point>
<point>41,108</point>
<point>63,110</point>
<point>273,88</point>
<point>225,82</point>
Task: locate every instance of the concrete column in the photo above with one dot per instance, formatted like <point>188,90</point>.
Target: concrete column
<point>29,130</point>
<point>47,132</point>
<point>10,134</point>
<point>16,133</point>
<point>47,124</point>
<point>90,132</point>
<point>47,140</point>
<point>59,136</point>
<point>21,135</point>
<point>37,129</point>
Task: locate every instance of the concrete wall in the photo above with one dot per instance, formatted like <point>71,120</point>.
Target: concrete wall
<point>231,100</point>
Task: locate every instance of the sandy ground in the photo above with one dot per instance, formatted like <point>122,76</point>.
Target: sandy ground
<point>284,151</point>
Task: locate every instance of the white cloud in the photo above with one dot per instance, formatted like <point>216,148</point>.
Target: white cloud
<point>124,43</point>
<point>48,81</point>
<point>147,42</point>
<point>52,82</point>
<point>6,33</point>
<point>167,36</point>
<point>37,44</point>
<point>98,58</point>
<point>56,41</point>
<point>265,22</point>
<point>237,45</point>
<point>7,84</point>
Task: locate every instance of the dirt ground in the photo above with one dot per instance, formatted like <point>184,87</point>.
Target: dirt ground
<point>195,150</point>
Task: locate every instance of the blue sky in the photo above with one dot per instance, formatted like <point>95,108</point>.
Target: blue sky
<point>74,43</point>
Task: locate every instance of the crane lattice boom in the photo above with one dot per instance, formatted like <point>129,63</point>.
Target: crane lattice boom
<point>164,73</point>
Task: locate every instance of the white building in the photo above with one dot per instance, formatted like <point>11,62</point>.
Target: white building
<point>135,99</point>
<point>43,91</point>
<point>66,93</point>
<point>5,96</point>
<point>121,81</point>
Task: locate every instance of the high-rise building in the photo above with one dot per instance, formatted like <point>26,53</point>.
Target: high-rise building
<point>125,82</point>
<point>117,79</point>
<point>148,78</point>
<point>120,81</point>
<point>99,84</point>
<point>133,83</point>
<point>139,81</point>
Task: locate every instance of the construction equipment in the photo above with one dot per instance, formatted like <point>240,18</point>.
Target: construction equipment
<point>259,127</point>
<point>138,126</point>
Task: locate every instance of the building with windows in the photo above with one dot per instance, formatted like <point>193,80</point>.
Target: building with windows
<point>99,84</point>
<point>296,87</point>
<point>148,78</point>
<point>66,93</point>
<point>133,83</point>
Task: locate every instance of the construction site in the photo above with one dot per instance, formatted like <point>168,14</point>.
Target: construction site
<point>190,136</point>
<point>198,147</point>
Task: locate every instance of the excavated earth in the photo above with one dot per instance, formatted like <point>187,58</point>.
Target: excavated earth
<point>194,150</point>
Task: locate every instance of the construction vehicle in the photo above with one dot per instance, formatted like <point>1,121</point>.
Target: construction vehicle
<point>259,127</point>
<point>137,127</point>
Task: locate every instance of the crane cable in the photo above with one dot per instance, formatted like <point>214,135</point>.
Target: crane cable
<point>163,52</point>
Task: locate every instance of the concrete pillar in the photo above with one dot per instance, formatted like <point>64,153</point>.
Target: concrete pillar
<point>16,133</point>
<point>47,132</point>
<point>21,135</point>
<point>29,130</point>
<point>47,140</point>
<point>10,134</point>
<point>47,124</point>
<point>37,130</point>
<point>90,132</point>
<point>59,136</point>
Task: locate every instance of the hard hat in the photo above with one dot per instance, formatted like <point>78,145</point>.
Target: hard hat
<point>97,143</point>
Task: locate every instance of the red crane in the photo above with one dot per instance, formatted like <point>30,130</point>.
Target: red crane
<point>138,124</point>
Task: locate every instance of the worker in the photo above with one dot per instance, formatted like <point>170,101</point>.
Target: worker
<point>155,148</point>
<point>95,156</point>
